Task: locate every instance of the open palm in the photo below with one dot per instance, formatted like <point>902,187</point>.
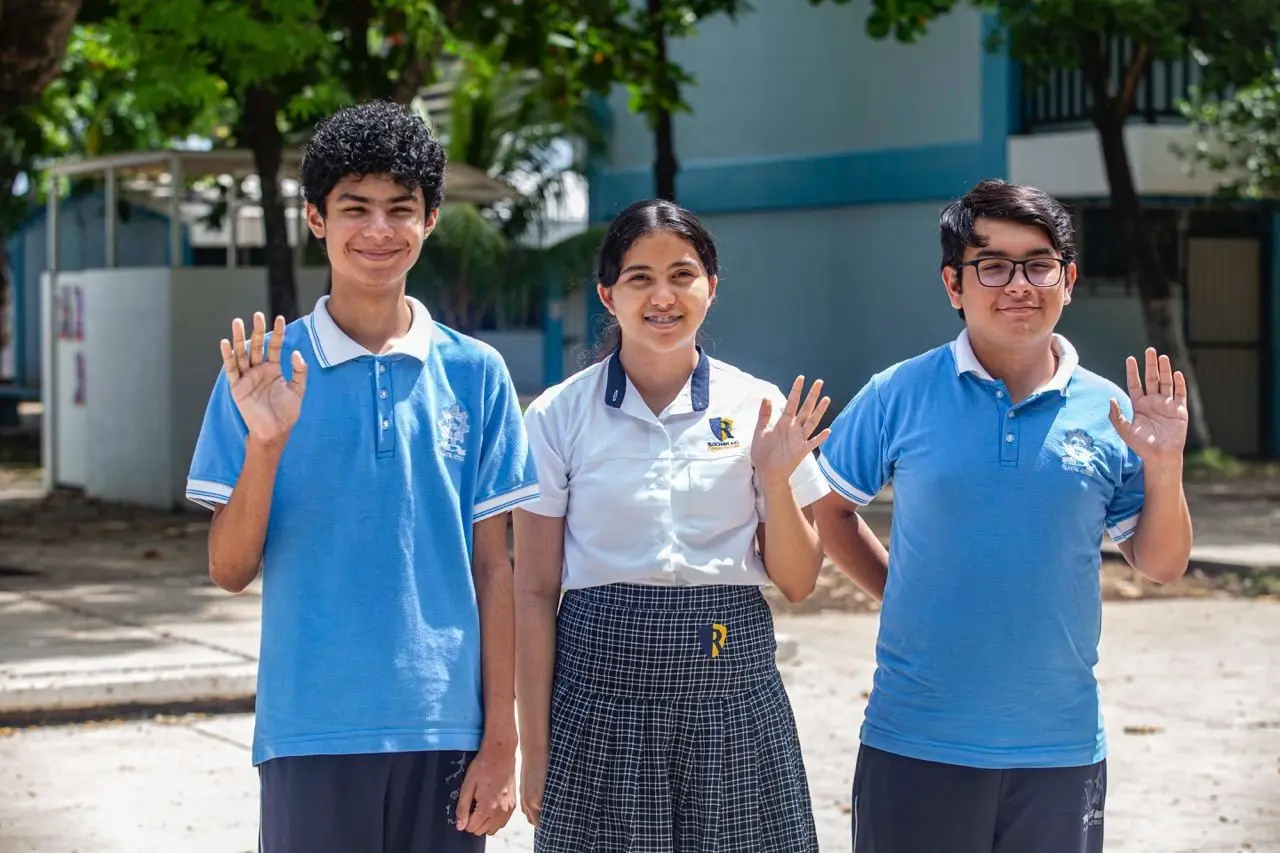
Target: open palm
<point>778,448</point>
<point>268,403</point>
<point>1158,430</point>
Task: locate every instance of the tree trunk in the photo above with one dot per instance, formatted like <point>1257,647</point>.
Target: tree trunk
<point>665,166</point>
<point>262,128</point>
<point>1161,306</point>
<point>33,42</point>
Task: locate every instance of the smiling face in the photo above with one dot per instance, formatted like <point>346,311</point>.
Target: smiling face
<point>373,230</point>
<point>1003,310</point>
<point>662,295</point>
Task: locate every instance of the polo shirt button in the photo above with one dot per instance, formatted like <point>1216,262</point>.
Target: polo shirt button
<point>386,424</point>
<point>1008,437</point>
<point>1012,413</point>
<point>999,395</point>
<point>383,393</point>
<point>382,368</point>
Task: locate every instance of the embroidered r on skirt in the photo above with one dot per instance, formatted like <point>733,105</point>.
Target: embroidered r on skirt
<point>671,730</point>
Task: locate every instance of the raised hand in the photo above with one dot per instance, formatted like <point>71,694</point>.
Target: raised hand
<point>1158,431</point>
<point>268,404</point>
<point>778,448</point>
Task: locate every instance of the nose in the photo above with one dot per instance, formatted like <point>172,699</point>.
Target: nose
<point>664,296</point>
<point>1019,283</point>
<point>379,224</point>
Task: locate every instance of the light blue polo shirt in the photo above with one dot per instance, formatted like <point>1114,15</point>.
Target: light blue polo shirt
<point>370,630</point>
<point>992,612</point>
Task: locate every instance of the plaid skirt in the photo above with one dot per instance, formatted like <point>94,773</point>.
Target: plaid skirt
<point>671,730</point>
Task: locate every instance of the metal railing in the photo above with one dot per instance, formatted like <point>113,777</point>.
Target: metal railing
<point>1064,98</point>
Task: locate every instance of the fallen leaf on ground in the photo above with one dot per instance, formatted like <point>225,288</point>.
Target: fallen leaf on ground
<point>1142,730</point>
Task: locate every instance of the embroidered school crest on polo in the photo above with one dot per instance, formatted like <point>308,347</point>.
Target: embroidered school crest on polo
<point>370,627</point>
<point>992,610</point>
<point>1078,452</point>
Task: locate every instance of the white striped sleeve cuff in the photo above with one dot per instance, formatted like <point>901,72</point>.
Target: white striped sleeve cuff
<point>208,493</point>
<point>843,486</point>
<point>1122,530</point>
<point>504,502</point>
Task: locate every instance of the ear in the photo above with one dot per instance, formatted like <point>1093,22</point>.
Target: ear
<point>951,280</point>
<point>315,221</point>
<point>606,297</point>
<point>1070,284</point>
<point>429,224</point>
<point>711,288</point>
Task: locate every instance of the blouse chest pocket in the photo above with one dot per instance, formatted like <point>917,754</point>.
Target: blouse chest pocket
<point>716,492</point>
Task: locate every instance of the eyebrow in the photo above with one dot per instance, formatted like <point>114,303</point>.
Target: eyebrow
<point>360,199</point>
<point>993,253</point>
<point>683,262</point>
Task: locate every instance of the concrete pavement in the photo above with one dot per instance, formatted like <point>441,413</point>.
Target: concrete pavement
<point>1191,692</point>
<point>105,607</point>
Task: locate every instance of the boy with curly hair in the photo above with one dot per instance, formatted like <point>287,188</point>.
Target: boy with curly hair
<point>369,474</point>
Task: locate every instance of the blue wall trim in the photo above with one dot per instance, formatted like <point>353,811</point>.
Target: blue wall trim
<point>889,176</point>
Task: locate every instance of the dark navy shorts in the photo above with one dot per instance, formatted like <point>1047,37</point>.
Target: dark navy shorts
<point>904,805</point>
<point>385,803</point>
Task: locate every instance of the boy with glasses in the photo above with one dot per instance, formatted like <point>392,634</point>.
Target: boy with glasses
<point>1009,460</point>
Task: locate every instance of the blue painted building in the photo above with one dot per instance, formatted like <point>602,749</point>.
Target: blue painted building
<point>821,159</point>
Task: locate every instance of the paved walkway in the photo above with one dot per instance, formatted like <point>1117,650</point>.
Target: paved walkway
<point>103,605</point>
<point>1191,692</point>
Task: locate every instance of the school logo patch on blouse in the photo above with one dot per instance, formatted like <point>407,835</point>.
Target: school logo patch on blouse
<point>722,431</point>
<point>451,430</point>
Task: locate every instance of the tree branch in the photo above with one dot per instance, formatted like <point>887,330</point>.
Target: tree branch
<point>1132,76</point>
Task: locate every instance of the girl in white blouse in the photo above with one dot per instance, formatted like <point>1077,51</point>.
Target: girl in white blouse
<point>673,487</point>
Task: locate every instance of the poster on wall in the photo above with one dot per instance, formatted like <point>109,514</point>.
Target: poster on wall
<point>70,308</point>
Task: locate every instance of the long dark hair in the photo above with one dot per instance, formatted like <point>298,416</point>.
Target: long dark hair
<point>640,220</point>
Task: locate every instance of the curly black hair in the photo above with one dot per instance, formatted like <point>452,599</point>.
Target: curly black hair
<point>373,138</point>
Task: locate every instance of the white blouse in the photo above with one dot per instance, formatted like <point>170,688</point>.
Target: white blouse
<point>667,499</point>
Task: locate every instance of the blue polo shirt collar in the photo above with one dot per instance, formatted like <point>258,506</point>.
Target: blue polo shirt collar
<point>696,393</point>
<point>1068,361</point>
<point>333,347</point>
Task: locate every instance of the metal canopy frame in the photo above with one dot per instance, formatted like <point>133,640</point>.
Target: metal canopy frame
<point>463,183</point>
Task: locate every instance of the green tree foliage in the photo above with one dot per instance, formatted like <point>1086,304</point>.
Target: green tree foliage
<point>1239,138</point>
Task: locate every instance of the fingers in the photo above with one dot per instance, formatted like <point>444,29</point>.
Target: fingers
<point>532,811</point>
<point>255,342</point>
<point>1131,378</point>
<point>793,398</point>
<point>1165,370</point>
<point>1179,388</point>
<point>229,360</point>
<point>810,401</point>
<point>276,342</point>
<point>466,800</point>
<point>238,346</point>
<point>816,442</point>
<point>1153,372</point>
<point>815,416</point>
<point>299,380</point>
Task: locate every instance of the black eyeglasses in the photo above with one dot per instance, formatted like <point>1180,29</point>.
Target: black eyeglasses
<point>998,272</point>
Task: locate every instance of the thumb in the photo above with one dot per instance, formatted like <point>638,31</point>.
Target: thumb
<point>766,411</point>
<point>1118,419</point>
<point>299,380</point>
